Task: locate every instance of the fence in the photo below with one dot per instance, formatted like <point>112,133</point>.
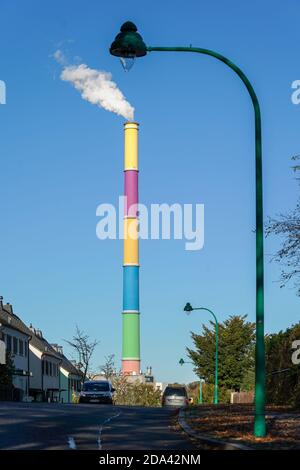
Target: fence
<point>241,397</point>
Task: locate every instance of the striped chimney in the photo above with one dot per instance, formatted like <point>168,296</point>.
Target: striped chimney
<point>131,308</point>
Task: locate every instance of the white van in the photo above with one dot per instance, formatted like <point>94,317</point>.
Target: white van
<point>97,391</point>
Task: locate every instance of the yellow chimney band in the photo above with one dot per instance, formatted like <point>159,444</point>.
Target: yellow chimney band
<point>131,146</point>
<point>131,242</point>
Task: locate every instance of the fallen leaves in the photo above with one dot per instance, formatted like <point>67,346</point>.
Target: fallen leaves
<point>235,423</point>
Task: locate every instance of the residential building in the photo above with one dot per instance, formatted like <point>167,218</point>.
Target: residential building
<point>42,372</point>
<point>44,365</point>
<point>70,377</point>
<point>16,339</point>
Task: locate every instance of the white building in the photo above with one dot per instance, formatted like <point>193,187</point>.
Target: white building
<point>16,340</point>
<point>44,384</point>
<point>42,372</point>
<point>70,377</point>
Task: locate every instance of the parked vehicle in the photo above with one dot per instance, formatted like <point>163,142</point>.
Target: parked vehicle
<point>175,396</point>
<point>97,391</point>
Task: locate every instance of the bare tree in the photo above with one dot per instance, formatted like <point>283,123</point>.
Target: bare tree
<point>84,349</point>
<point>108,368</point>
<point>288,227</point>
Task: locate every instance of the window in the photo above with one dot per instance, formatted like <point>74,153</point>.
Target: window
<point>8,343</point>
<point>50,368</point>
<point>26,345</point>
<point>43,367</point>
<point>96,387</point>
<point>47,367</point>
<point>21,347</point>
<point>177,391</point>
<point>15,345</point>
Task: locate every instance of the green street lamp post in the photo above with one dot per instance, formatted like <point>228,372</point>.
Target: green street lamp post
<point>128,45</point>
<point>181,362</point>
<point>188,308</point>
<point>200,391</point>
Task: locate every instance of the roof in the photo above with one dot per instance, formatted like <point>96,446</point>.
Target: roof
<point>11,320</point>
<point>68,366</point>
<point>42,345</point>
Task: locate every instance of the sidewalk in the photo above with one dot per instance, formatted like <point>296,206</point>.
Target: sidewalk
<point>234,423</point>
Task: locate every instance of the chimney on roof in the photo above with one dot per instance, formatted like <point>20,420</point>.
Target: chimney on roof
<point>58,348</point>
<point>8,307</point>
<point>1,302</point>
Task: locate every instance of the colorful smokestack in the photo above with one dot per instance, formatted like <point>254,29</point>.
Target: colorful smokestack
<point>131,307</point>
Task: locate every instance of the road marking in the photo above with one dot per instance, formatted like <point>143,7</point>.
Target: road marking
<point>72,443</point>
<point>99,440</point>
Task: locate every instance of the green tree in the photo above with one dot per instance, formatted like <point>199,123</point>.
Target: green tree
<point>283,377</point>
<point>6,371</point>
<point>236,352</point>
<point>248,381</point>
<point>207,393</point>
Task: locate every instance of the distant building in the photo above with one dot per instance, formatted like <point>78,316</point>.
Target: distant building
<point>42,371</point>
<point>70,377</point>
<point>149,376</point>
<point>16,340</point>
<point>2,350</point>
<point>44,365</point>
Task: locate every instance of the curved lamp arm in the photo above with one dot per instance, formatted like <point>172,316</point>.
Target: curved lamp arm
<point>210,311</point>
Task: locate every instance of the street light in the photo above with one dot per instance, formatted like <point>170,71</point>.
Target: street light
<point>129,44</point>
<point>188,309</point>
<point>181,362</point>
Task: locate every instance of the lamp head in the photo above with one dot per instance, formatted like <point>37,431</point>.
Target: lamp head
<point>188,308</point>
<point>128,44</point>
<point>181,362</point>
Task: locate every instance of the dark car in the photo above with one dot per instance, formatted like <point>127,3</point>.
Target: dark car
<point>97,391</point>
<point>175,396</point>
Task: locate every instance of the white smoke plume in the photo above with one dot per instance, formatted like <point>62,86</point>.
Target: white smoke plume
<point>97,87</point>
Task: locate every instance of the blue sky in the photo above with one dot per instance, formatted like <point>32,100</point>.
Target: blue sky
<point>61,157</point>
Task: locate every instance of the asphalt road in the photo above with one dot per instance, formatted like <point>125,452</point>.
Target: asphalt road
<point>36,426</point>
